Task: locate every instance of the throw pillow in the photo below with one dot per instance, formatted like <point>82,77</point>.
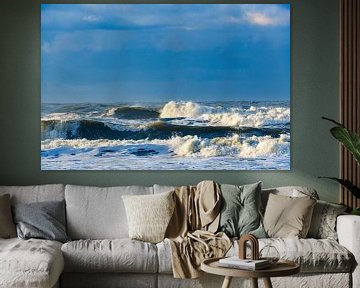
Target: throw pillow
<point>7,227</point>
<point>323,222</point>
<point>288,217</point>
<point>149,215</point>
<point>43,220</point>
<point>240,213</point>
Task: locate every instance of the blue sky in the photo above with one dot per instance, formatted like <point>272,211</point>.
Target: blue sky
<point>163,52</point>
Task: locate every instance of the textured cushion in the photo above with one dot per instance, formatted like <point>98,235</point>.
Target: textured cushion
<point>323,222</point>
<point>291,191</point>
<point>44,220</point>
<point>30,263</point>
<point>118,255</point>
<point>98,213</point>
<point>149,215</point>
<point>313,255</point>
<point>7,227</point>
<point>36,193</point>
<point>287,216</point>
<point>240,210</point>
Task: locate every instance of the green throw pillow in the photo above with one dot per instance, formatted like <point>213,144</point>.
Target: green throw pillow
<point>240,213</point>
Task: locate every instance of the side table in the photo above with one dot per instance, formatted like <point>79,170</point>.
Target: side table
<point>281,268</point>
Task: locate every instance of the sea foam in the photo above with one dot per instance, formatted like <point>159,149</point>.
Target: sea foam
<point>189,146</point>
<point>174,109</point>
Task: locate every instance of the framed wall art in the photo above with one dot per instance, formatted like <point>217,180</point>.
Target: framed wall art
<point>165,87</point>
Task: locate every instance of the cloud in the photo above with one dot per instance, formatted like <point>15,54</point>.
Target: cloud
<point>261,19</point>
<point>161,27</point>
<point>91,18</point>
<point>267,15</point>
<point>83,41</point>
<point>169,16</point>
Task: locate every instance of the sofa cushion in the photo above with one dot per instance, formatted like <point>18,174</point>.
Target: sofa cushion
<point>36,193</point>
<point>149,215</point>
<point>42,220</point>
<point>30,263</point>
<point>313,255</point>
<point>240,210</point>
<point>287,216</point>
<point>117,255</point>
<point>98,213</point>
<point>290,191</point>
<point>323,222</point>
<point>7,226</point>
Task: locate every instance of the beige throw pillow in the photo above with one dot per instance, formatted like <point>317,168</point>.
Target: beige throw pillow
<point>149,215</point>
<point>288,217</point>
<point>7,226</point>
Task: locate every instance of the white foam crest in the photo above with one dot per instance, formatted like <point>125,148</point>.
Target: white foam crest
<point>193,146</point>
<point>61,117</point>
<point>188,109</point>
<point>252,147</point>
<point>110,112</point>
<point>260,117</point>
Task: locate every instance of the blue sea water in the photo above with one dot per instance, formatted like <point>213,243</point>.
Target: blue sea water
<point>166,136</point>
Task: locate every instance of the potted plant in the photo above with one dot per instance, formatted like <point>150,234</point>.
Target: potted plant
<point>351,141</point>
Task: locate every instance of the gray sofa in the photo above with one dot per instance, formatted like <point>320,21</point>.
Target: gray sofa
<point>101,255</point>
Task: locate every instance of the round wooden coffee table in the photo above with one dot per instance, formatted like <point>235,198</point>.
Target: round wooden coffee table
<point>281,268</point>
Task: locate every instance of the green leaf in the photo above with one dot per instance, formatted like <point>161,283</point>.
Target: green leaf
<point>349,139</point>
<point>347,184</point>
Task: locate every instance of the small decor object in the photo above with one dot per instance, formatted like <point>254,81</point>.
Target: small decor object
<point>7,226</point>
<point>254,246</point>
<point>270,253</point>
<point>165,86</point>
<point>247,264</point>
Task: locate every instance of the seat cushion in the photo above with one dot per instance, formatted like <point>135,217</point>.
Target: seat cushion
<point>30,263</point>
<point>117,255</point>
<point>313,255</point>
<point>98,213</point>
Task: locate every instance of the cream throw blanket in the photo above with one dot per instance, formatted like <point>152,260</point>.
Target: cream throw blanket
<point>191,231</point>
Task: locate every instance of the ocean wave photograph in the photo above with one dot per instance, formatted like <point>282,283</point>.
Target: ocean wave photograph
<point>165,87</point>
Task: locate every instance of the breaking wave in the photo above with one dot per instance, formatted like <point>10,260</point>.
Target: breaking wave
<point>92,129</point>
<point>241,135</point>
<point>188,146</point>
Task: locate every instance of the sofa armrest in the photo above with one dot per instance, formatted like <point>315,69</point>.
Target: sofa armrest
<point>348,230</point>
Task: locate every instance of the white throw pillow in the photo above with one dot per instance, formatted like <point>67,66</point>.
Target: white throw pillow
<point>149,215</point>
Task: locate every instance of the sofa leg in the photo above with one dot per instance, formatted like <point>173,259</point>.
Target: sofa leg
<point>254,282</point>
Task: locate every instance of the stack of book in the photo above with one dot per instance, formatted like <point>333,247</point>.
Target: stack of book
<point>248,264</point>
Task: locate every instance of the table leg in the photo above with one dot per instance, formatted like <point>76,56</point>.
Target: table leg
<point>267,283</point>
<point>254,282</point>
<point>227,282</point>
